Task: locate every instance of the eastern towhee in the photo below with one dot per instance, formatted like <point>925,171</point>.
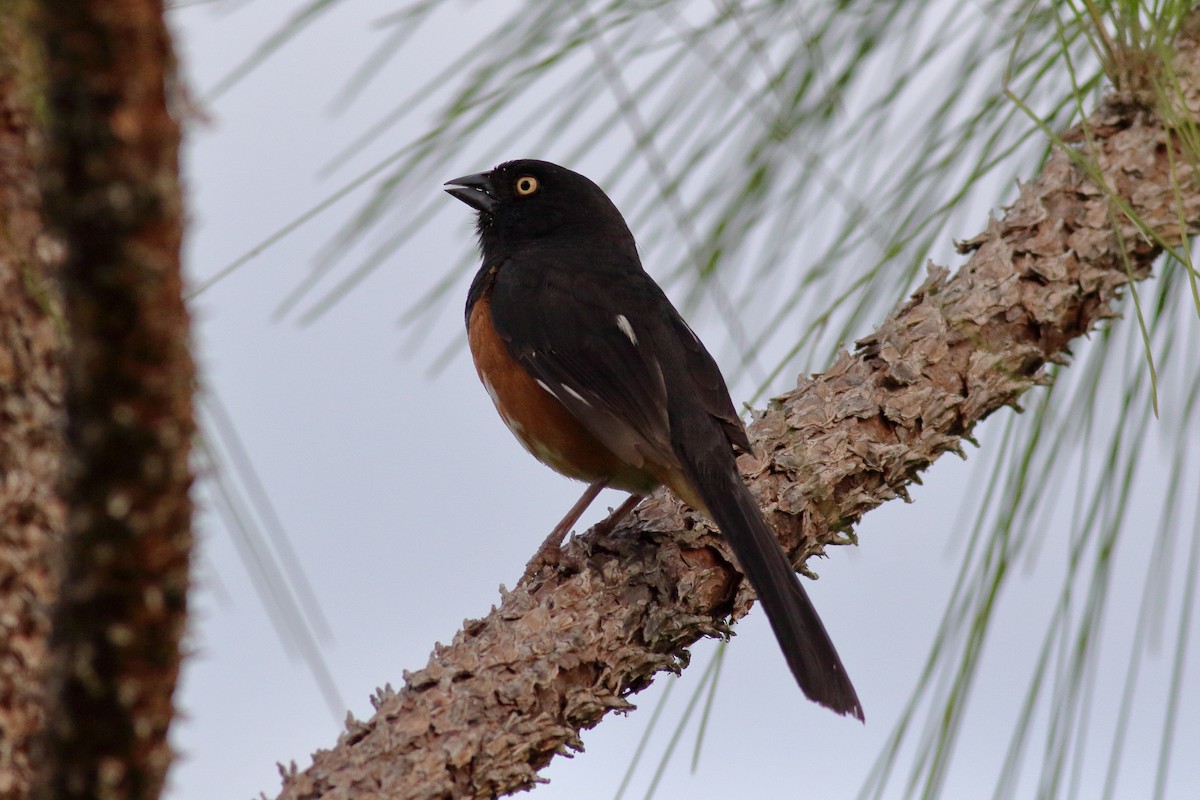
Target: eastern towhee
<point>599,377</point>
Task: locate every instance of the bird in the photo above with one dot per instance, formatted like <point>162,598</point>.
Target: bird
<point>599,377</point>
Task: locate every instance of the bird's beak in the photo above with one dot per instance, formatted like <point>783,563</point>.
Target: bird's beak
<point>474,190</point>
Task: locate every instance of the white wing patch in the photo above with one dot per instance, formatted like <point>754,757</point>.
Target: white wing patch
<point>626,328</point>
<point>575,394</point>
<point>565,388</point>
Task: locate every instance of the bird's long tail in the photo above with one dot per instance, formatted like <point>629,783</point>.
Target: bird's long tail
<point>806,646</point>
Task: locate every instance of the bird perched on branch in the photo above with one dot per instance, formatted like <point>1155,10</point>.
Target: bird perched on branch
<point>600,378</point>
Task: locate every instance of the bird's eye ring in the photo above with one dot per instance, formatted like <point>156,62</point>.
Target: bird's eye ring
<point>526,185</point>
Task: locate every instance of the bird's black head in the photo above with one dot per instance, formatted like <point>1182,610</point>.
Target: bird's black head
<point>522,201</point>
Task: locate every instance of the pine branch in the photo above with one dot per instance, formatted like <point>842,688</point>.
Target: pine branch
<point>518,686</point>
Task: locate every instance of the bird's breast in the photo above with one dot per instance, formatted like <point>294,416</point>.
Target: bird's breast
<point>542,424</point>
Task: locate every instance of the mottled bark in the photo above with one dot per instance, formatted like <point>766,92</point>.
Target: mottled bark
<point>111,191</point>
<point>31,514</point>
<point>517,687</point>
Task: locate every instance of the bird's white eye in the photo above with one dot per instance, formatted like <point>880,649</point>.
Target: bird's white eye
<point>526,185</point>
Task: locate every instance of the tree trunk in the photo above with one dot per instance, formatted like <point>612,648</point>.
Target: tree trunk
<point>518,686</point>
<point>31,338</point>
<point>110,188</point>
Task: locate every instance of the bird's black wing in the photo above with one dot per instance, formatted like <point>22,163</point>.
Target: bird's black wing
<point>584,335</point>
<point>705,382</point>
